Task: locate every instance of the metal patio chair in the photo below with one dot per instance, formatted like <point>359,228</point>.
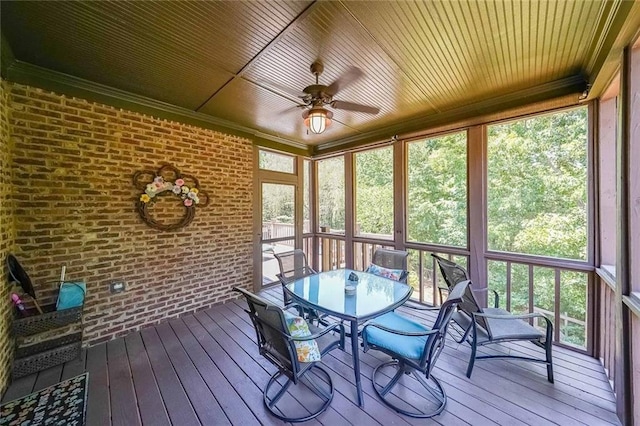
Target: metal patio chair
<point>391,259</point>
<point>293,265</point>
<point>414,349</point>
<point>277,345</point>
<point>485,326</point>
<point>453,274</point>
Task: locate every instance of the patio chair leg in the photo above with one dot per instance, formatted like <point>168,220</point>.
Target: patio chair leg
<point>273,401</point>
<point>472,358</point>
<point>394,379</point>
<point>315,388</point>
<point>548,347</point>
<point>437,392</point>
<point>463,336</point>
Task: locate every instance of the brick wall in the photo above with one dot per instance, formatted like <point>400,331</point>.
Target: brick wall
<point>6,237</point>
<point>73,162</point>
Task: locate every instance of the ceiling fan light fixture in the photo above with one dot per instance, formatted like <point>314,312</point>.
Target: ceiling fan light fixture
<point>317,119</point>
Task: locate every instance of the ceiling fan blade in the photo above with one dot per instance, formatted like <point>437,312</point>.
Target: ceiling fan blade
<point>350,106</point>
<point>352,74</point>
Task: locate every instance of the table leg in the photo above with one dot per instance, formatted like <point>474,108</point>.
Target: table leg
<point>355,353</point>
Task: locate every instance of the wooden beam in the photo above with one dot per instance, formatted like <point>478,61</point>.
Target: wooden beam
<point>476,213</point>
<point>623,264</point>
<point>399,195</point>
<point>349,207</point>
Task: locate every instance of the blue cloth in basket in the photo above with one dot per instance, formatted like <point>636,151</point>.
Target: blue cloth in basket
<point>71,295</point>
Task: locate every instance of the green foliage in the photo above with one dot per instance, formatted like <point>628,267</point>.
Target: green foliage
<point>537,185</point>
<point>374,191</point>
<point>277,203</point>
<point>331,193</point>
<point>437,190</point>
<point>268,160</point>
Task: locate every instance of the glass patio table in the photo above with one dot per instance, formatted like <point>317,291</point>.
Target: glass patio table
<point>372,297</point>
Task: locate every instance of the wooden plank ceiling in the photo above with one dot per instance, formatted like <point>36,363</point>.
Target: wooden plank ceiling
<point>244,62</point>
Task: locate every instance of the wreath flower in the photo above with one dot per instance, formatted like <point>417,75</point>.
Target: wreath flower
<point>159,185</point>
<point>168,181</point>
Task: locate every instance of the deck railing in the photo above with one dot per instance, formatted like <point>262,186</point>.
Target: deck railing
<point>606,311</point>
<point>273,230</point>
<point>558,289</point>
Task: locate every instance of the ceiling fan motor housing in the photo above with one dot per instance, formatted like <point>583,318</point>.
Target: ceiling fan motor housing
<point>316,69</point>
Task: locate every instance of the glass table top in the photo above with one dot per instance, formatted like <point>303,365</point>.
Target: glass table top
<point>372,295</point>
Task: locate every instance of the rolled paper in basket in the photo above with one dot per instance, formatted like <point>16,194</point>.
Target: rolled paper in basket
<point>64,269</point>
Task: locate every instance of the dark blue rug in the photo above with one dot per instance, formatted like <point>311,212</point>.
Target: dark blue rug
<point>61,404</point>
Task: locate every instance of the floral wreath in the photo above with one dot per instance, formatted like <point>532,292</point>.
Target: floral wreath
<point>168,180</point>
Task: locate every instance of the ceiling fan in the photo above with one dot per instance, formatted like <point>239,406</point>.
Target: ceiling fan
<point>316,96</point>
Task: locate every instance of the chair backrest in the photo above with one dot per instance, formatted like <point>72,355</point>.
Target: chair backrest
<point>435,342</point>
<point>454,274</point>
<point>390,259</point>
<point>293,265</point>
<point>271,331</point>
<point>451,271</point>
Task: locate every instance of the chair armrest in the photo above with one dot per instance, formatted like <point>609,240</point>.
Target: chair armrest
<point>496,299</point>
<point>496,296</point>
<point>412,305</point>
<point>398,332</point>
<point>440,290</point>
<point>332,327</point>
<point>511,316</point>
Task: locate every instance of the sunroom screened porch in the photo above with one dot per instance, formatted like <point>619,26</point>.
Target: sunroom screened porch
<point>596,31</point>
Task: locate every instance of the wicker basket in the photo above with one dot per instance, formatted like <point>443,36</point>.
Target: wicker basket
<point>46,354</point>
<point>50,319</point>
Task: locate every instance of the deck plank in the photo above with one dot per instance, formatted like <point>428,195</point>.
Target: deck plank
<point>150,404</point>
<point>20,387</point>
<point>173,394</point>
<point>124,407</point>
<point>203,401</point>
<point>227,397</point>
<point>242,383</point>
<point>204,368</point>
<point>74,367</point>
<point>98,402</point>
<point>48,377</point>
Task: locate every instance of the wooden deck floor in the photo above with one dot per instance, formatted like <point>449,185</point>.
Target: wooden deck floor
<point>205,369</point>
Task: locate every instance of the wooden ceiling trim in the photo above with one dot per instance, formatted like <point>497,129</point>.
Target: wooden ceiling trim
<point>614,14</point>
<point>545,106</point>
<point>287,29</point>
<point>7,59</point>
<point>607,60</point>
<point>572,86</point>
<point>32,75</point>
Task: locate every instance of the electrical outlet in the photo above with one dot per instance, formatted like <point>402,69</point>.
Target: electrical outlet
<point>116,287</point>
